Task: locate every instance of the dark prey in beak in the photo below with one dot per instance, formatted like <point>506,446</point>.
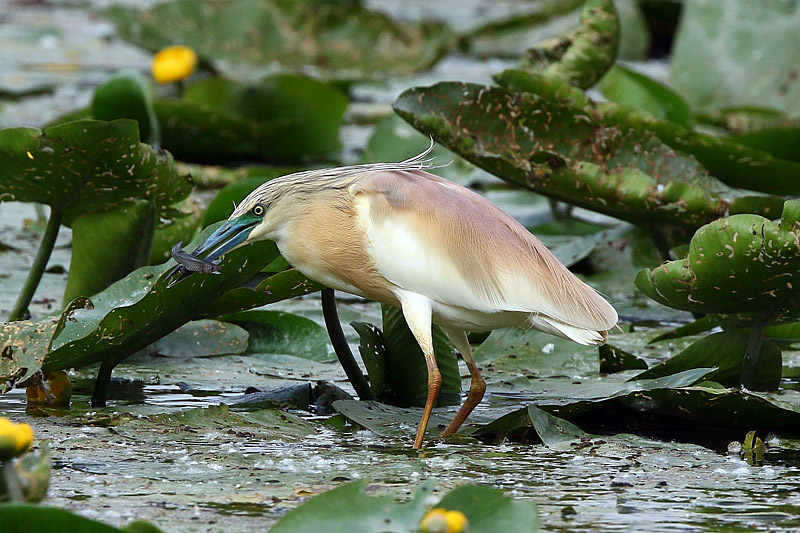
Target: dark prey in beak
<point>189,263</point>
<point>226,237</point>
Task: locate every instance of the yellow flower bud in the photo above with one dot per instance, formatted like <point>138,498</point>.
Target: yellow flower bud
<point>15,439</point>
<point>173,63</point>
<point>443,521</point>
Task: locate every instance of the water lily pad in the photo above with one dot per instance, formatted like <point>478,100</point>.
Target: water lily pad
<point>582,57</point>
<point>725,351</point>
<point>571,156</point>
<point>732,163</point>
<point>393,139</point>
<point>740,264</point>
<point>284,333</point>
<point>399,372</point>
<point>24,346</point>
<point>128,95</point>
<point>280,117</point>
<point>182,227</point>
<point>203,338</point>
<point>108,245</point>
<point>263,424</point>
<point>336,38</point>
<point>349,509</point>
<point>736,52</point>
<point>488,510</point>
<point>625,86</point>
<point>140,309</point>
<point>509,352</point>
<point>85,166</point>
<point>21,518</point>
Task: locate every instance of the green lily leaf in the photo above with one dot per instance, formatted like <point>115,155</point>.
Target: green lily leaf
<point>21,518</point>
<point>393,139</point>
<point>348,509</point>
<point>181,227</point>
<point>128,95</point>
<point>84,166</point>
<point>780,142</point>
<point>675,401</point>
<point>284,333</point>
<point>397,371</point>
<point>743,119</point>
<point>202,338</point>
<point>242,36</point>
<point>613,359</point>
<point>584,56</point>
<point>508,352</point>
<point>510,37</point>
<point>701,325</point>
<point>735,53</point>
<point>625,86</point>
<point>740,264</point>
<point>263,424</point>
<point>274,288</point>
<point>734,164</point>
<point>724,351</point>
<point>223,203</point>
<point>488,510</point>
<point>33,472</point>
<point>373,353</point>
<point>281,117</point>
<point>25,344</point>
<point>140,309</point>
<point>562,152</point>
<point>107,246</point>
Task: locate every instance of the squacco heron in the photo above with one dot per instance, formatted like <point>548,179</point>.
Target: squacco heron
<point>399,235</point>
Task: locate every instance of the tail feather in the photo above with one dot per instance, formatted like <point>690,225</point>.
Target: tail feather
<point>582,336</point>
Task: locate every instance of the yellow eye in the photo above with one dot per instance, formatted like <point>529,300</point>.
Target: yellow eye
<point>258,210</point>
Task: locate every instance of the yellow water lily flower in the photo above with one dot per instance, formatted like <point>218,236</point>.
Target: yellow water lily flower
<point>444,521</point>
<point>15,439</point>
<point>173,63</point>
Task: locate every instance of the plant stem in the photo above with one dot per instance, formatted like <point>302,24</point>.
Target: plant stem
<point>341,348</point>
<point>20,310</point>
<point>662,243</point>
<point>102,382</point>
<point>750,362</point>
<point>15,492</point>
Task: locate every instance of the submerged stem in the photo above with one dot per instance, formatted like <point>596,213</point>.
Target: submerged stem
<point>341,348</point>
<point>20,310</point>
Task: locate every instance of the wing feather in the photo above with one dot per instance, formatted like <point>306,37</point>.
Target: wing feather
<point>434,237</point>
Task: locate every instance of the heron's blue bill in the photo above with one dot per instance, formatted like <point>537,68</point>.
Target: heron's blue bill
<point>227,237</point>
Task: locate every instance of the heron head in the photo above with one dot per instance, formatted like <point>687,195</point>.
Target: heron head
<point>237,231</point>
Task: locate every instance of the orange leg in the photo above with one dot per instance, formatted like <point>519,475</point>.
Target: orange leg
<point>477,387</point>
<point>434,384</point>
<point>417,312</point>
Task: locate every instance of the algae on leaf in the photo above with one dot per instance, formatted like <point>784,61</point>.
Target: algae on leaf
<point>584,56</point>
<point>740,264</point>
<point>87,165</point>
